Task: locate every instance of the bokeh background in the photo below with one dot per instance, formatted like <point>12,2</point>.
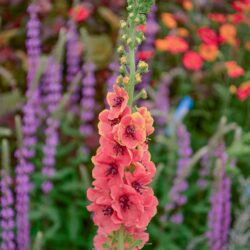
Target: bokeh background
<point>198,91</point>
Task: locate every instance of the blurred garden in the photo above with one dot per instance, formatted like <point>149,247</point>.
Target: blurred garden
<point>83,165</point>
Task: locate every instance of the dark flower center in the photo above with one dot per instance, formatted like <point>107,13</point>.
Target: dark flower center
<point>137,186</point>
<point>130,131</point>
<point>112,170</point>
<point>124,202</point>
<point>108,211</point>
<point>115,121</point>
<point>117,101</point>
<point>119,150</point>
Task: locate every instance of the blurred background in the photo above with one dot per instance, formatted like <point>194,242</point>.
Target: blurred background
<point>58,59</point>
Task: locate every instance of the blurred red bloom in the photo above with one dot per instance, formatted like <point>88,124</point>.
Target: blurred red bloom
<point>145,55</point>
<point>208,36</point>
<point>217,17</point>
<point>79,13</point>
<point>243,91</point>
<point>233,69</point>
<point>192,61</point>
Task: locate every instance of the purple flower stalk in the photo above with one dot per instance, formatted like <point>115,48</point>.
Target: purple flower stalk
<point>148,45</point>
<point>73,55</point>
<point>204,171</point>
<point>7,212</point>
<point>114,69</point>
<point>53,92</point>
<point>177,198</point>
<point>30,123</point>
<point>219,217</point>
<point>162,102</point>
<point>88,99</point>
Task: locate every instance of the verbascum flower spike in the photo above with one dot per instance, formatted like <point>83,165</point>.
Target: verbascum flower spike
<point>122,202</point>
<point>7,223</point>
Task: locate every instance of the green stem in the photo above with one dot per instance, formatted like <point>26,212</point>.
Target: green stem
<point>120,239</point>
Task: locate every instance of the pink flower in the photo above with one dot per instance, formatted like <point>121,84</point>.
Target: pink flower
<point>128,204</point>
<point>148,119</point>
<point>131,130</point>
<point>234,70</point>
<point>106,125</point>
<point>208,36</point>
<point>117,101</point>
<point>192,61</point>
<point>116,150</point>
<point>79,13</point>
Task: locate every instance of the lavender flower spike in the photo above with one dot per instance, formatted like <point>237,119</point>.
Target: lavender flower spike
<point>53,92</point>
<point>177,198</point>
<point>88,98</point>
<point>7,212</point>
<point>219,217</point>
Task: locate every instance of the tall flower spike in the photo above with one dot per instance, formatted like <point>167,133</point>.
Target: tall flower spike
<point>177,198</point>
<point>52,79</point>
<point>122,201</point>
<point>31,113</point>
<point>219,217</point>
<point>7,212</point>
<point>88,99</point>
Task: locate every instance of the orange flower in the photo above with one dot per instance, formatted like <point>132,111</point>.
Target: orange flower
<point>228,33</point>
<point>243,91</point>
<point>192,61</point>
<point>172,44</point>
<point>187,5</point>
<point>234,70</point>
<point>168,20</point>
<point>148,119</point>
<point>182,32</point>
<point>208,52</point>
<point>247,45</point>
<point>131,131</point>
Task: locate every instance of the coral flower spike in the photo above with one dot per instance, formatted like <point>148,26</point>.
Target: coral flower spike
<point>122,201</point>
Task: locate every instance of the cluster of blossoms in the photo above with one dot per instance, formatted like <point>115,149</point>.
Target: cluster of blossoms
<point>219,217</point>
<point>7,213</point>
<point>121,198</point>
<point>219,35</point>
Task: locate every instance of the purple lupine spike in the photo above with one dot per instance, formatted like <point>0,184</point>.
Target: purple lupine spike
<point>177,198</point>
<point>219,217</point>
<point>33,44</point>
<point>7,212</point>
<point>73,52</point>
<point>30,123</point>
<point>114,69</point>
<point>53,93</point>
<point>88,99</point>
<point>161,102</point>
<point>204,171</point>
<point>148,45</point>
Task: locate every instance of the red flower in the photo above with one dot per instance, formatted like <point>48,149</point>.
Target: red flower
<point>79,13</point>
<point>192,61</point>
<point>208,36</point>
<point>243,91</point>
<point>145,55</point>
<point>234,70</point>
